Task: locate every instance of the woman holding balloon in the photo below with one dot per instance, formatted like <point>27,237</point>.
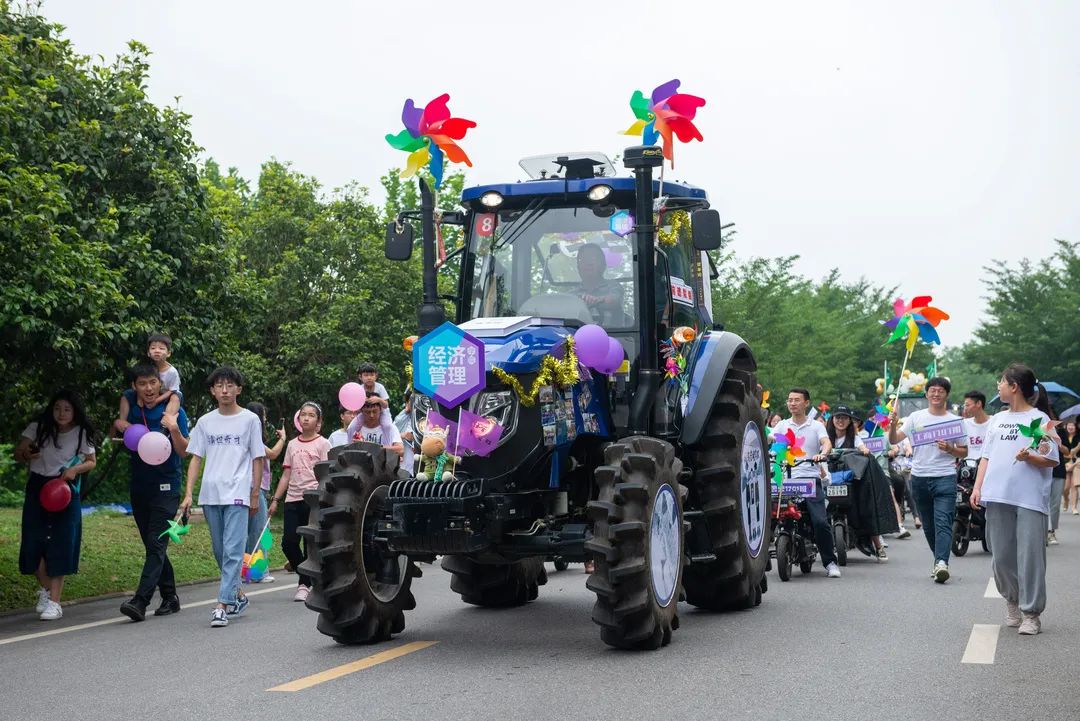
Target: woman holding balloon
<point>58,447</point>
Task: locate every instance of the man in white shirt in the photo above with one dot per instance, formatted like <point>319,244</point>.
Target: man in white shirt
<point>933,472</point>
<point>975,422</point>
<point>815,443</point>
<point>368,427</point>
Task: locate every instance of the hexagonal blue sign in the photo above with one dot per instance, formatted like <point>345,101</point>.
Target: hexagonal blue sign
<point>448,365</point>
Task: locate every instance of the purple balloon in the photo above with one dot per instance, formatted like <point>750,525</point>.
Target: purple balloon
<point>613,359</point>
<point>132,436</point>
<point>591,342</point>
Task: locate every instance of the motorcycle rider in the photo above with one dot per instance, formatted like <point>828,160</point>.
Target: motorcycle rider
<point>816,442</point>
<point>843,435</point>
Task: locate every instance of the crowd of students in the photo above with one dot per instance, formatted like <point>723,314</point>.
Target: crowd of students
<point>1022,485</point>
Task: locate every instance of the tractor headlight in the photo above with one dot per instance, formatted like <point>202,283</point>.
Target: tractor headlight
<point>491,199</point>
<point>599,192</point>
<point>421,406</point>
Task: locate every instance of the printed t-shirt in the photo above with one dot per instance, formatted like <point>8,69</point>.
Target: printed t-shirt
<point>976,433</point>
<point>300,458</point>
<point>228,445</point>
<point>1016,482</point>
<point>929,461</point>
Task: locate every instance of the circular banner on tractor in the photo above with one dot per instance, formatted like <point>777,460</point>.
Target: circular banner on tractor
<point>665,545</point>
<point>754,493</point>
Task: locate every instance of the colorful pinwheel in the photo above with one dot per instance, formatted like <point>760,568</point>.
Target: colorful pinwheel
<point>765,399</point>
<point>880,415</point>
<point>915,320</point>
<point>664,114</point>
<point>788,447</point>
<point>429,137</point>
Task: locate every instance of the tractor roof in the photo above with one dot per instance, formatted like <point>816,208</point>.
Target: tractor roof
<point>560,187</point>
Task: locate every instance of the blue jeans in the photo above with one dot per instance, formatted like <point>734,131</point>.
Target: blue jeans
<point>256,523</point>
<point>228,531</point>
<point>936,500</point>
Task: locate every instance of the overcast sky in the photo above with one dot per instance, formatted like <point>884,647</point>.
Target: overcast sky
<point>911,143</point>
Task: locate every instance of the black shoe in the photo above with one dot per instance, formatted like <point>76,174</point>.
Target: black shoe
<point>134,609</point>
<point>168,605</point>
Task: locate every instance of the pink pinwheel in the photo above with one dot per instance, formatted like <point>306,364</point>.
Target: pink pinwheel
<point>916,320</point>
<point>429,137</point>
<point>666,113</point>
<point>788,447</point>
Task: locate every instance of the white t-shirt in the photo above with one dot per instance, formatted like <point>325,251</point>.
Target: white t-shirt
<point>382,435</point>
<point>976,432</point>
<point>929,461</point>
<point>1016,483</point>
<point>339,438</point>
<point>811,432</point>
<point>228,445</point>
<point>170,379</point>
<point>841,442</point>
<point>54,459</point>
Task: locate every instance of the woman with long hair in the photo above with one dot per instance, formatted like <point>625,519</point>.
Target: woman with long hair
<point>59,444</point>
<point>1014,484</point>
<point>1070,440</point>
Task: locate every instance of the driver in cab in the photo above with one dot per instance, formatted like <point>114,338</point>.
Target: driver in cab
<point>603,297</point>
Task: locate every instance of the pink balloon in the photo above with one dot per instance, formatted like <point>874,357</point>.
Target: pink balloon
<point>591,344</point>
<point>613,359</point>
<point>133,434</point>
<point>154,448</point>
<point>352,396</point>
<point>296,422</point>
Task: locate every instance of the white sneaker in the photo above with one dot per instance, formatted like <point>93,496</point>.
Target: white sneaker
<point>941,572</point>
<point>1012,615</point>
<point>42,601</point>
<point>904,533</point>
<point>1031,625</point>
<point>1051,539</point>
<point>266,579</point>
<point>832,570</point>
<point>301,593</point>
<point>52,611</point>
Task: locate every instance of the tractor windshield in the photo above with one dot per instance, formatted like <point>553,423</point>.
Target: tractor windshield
<point>553,263</point>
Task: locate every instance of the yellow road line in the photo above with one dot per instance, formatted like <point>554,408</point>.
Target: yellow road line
<point>352,667</point>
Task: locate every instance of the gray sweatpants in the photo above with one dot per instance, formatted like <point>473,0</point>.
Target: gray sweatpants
<point>1017,539</point>
<point>1057,488</point>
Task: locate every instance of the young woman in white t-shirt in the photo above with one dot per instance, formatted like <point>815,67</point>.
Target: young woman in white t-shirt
<point>60,443</point>
<point>1014,484</point>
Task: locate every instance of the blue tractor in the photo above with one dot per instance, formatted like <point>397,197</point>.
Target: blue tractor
<point>658,479</point>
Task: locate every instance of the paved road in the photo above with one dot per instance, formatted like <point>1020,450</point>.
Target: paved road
<point>883,642</point>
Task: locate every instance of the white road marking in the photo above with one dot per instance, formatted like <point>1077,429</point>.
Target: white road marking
<point>125,619</point>
<point>982,644</point>
<point>991,590</point>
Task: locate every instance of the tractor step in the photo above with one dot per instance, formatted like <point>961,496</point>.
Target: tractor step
<point>703,558</point>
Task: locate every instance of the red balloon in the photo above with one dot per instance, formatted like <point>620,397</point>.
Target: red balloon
<point>55,495</point>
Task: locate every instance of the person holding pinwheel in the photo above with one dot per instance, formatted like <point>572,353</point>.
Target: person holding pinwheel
<point>155,488</point>
<point>1013,483</point>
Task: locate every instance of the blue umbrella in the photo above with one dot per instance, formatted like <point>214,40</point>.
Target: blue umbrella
<point>1074,411</point>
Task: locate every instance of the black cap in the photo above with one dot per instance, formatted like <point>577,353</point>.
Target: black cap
<point>846,411</point>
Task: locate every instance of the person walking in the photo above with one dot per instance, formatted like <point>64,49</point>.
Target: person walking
<point>60,443</point>
<point>1014,484</point>
<point>933,472</point>
<point>1070,439</point>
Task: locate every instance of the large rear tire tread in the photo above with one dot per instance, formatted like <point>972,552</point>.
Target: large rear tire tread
<point>495,585</point>
<point>735,580</point>
<point>348,609</point>
<point>627,610</point>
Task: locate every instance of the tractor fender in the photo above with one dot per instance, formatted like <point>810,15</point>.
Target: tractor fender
<point>716,352</point>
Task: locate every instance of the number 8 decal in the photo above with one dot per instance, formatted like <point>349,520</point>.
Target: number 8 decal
<point>485,225</point>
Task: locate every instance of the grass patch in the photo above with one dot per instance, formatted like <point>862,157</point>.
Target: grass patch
<point>112,558</point>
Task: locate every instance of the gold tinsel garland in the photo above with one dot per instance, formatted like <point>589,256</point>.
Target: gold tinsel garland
<point>552,372</point>
<point>680,220</point>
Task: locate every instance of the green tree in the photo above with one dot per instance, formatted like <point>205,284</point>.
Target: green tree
<point>104,231</point>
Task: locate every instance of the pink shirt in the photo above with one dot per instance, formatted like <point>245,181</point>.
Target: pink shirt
<point>301,457</point>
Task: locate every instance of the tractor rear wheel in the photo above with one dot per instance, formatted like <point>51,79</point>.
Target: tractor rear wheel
<point>360,593</point>
<point>495,585</point>
<point>731,487</point>
<point>638,544</point>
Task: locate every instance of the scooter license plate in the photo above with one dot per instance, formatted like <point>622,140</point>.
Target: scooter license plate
<point>959,496</point>
<point>833,491</point>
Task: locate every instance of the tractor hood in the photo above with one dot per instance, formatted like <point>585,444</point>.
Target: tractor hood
<point>517,344</point>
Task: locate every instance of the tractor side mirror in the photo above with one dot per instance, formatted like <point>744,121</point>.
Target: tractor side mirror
<point>399,241</point>
<point>706,230</point>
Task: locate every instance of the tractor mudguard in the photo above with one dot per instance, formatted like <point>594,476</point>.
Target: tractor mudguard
<point>712,358</point>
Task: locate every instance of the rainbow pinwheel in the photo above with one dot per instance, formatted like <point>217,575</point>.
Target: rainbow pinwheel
<point>916,320</point>
<point>880,415</point>
<point>665,114</point>
<point>429,137</point>
<point>788,447</point>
